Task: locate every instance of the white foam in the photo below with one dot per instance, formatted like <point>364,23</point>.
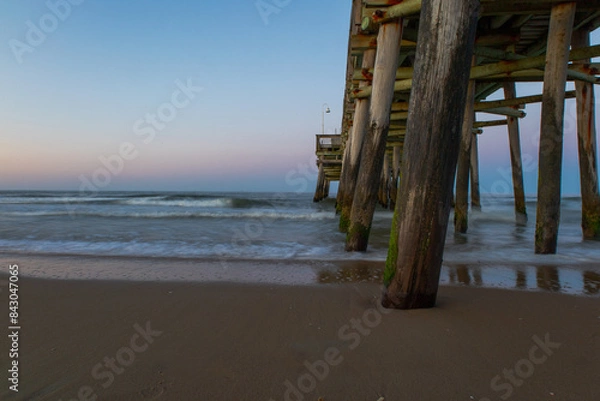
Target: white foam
<point>251,214</point>
<point>60,200</point>
<point>199,203</point>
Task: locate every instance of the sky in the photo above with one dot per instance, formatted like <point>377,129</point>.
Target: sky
<point>189,96</point>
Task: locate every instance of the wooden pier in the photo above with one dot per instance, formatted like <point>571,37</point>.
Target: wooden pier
<point>329,161</point>
<point>418,76</point>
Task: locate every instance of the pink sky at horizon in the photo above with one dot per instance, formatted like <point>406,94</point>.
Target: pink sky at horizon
<point>78,96</point>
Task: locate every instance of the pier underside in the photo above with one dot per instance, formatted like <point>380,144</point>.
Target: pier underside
<point>418,77</point>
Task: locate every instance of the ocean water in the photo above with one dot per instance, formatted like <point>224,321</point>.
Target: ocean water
<point>234,227</point>
<point>191,225</point>
<point>253,226</point>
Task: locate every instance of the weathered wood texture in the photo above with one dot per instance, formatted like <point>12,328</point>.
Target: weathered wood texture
<point>501,7</point>
<point>437,105</point>
<point>514,139</point>
<point>384,189</point>
<point>588,163</point>
<point>552,125</point>
<point>461,209</point>
<point>396,156</point>
<point>495,71</point>
<point>475,188</point>
<point>515,102</point>
<point>355,21</point>
<point>354,147</point>
<point>320,192</point>
<point>342,186</point>
<point>365,196</point>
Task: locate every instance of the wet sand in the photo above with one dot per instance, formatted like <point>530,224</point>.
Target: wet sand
<point>560,277</point>
<point>120,340</point>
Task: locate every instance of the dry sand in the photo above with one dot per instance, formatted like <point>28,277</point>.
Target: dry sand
<point>253,342</point>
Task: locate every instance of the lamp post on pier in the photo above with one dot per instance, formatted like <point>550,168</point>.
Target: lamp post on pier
<point>324,110</point>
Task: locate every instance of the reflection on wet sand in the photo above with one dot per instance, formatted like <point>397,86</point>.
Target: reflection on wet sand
<point>548,279</point>
<point>463,274</point>
<point>521,279</point>
<point>464,277</point>
<point>591,283</point>
<point>545,278</point>
<point>359,272</point>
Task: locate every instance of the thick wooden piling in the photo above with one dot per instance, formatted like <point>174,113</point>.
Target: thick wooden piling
<point>475,187</point>
<point>551,136</point>
<point>365,196</point>
<point>586,134</point>
<point>461,208</point>
<point>319,193</point>
<point>326,189</point>
<point>396,155</point>
<point>347,126</point>
<point>437,106</point>
<point>352,159</point>
<point>514,139</point>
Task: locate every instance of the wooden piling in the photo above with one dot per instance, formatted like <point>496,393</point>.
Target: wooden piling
<point>461,208</point>
<point>347,127</point>
<point>551,136</point>
<point>396,155</point>
<point>384,190</point>
<point>437,107</point>
<point>586,134</point>
<point>352,159</point>
<point>365,196</point>
<point>475,188</point>
<point>514,139</point>
<point>381,190</point>
<point>319,193</point>
<point>326,189</point>
<point>342,184</point>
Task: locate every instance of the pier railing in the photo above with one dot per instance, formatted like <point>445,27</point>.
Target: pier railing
<point>329,143</point>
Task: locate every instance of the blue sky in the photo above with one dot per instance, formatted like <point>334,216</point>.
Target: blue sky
<point>78,96</point>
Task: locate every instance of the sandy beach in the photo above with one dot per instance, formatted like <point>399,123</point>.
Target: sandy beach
<point>125,340</point>
<point>204,205</point>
